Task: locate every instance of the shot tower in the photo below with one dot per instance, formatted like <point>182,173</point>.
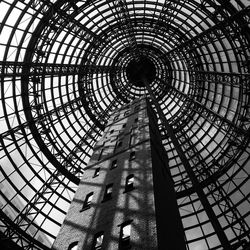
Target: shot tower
<point>126,198</point>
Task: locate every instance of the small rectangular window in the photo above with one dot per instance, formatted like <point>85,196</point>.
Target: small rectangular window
<point>132,139</point>
<point>87,201</point>
<point>132,156</point>
<point>108,192</point>
<point>137,108</point>
<point>126,113</point>
<point>136,120</point>
<point>98,240</point>
<point>97,172</point>
<point>111,131</point>
<point>100,155</point>
<point>132,130</point>
<point>117,145</point>
<point>129,185</point>
<point>116,117</point>
<point>125,233</point>
<point>89,198</point>
<point>113,164</point>
<point>124,125</point>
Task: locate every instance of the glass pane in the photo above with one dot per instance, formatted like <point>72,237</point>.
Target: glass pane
<point>89,198</point>
<point>130,180</point>
<point>74,247</point>
<point>126,231</point>
<point>109,190</point>
<point>99,240</point>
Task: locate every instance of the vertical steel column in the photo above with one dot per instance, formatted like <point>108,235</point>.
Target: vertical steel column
<point>123,12</point>
<point>197,187</point>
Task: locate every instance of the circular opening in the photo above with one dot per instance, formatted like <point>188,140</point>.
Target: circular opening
<point>138,72</point>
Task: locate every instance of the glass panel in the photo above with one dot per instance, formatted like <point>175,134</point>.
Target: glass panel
<point>126,231</point>
<point>99,240</point>
<point>89,198</point>
<point>109,190</point>
<point>130,180</point>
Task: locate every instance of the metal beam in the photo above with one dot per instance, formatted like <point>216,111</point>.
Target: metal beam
<point>211,115</point>
<point>37,203</point>
<point>214,186</point>
<point>68,20</point>
<point>17,234</point>
<point>124,19</point>
<point>211,33</point>
<point>225,78</point>
<point>14,69</point>
<point>196,185</point>
<point>38,119</point>
<point>98,116</point>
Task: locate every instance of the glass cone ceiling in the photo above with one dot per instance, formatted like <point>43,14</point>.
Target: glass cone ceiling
<point>65,68</point>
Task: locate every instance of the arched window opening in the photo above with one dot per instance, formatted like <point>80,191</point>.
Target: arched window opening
<point>98,241</point>
<point>125,234</point>
<point>129,183</point>
<point>87,201</point>
<point>73,246</point>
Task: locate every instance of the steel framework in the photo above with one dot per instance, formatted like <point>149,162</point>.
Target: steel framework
<point>63,70</point>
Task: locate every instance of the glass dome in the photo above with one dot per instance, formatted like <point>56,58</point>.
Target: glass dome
<point>67,65</point>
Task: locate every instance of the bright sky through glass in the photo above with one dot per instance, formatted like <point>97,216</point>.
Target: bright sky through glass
<point>29,174</point>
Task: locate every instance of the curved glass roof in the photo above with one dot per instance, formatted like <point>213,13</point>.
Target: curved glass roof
<point>65,66</point>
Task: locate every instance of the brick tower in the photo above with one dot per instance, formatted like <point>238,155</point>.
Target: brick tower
<point>126,198</point>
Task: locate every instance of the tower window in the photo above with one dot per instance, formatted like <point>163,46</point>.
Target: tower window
<point>137,108</point>
<point>98,240</point>
<point>132,156</point>
<point>108,192</point>
<point>113,164</point>
<point>116,117</point>
<point>97,172</point>
<point>119,144</point>
<point>111,131</point>
<point>126,113</point>
<point>129,183</point>
<point>100,155</point>
<point>73,246</point>
<point>136,120</point>
<point>124,242</point>
<point>87,201</point>
<point>132,139</point>
<point>124,125</point>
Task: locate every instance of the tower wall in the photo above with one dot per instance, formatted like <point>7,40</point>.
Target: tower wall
<point>170,233</point>
<point>134,205</point>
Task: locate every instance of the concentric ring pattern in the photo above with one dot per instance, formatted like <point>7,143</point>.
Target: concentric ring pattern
<point>65,66</point>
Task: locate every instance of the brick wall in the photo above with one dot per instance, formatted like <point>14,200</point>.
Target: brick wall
<point>136,206</point>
